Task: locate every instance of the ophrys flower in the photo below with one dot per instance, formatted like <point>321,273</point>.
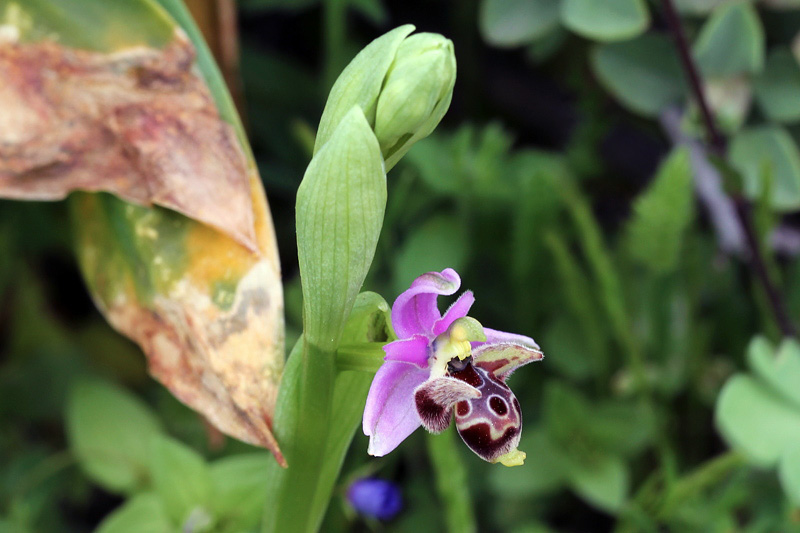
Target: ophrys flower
<point>445,363</point>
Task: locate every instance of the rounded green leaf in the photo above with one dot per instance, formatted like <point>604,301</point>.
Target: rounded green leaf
<point>109,432</point>
<point>609,20</point>
<point>780,371</point>
<point>603,482</point>
<point>731,42</point>
<point>239,485</point>
<point>778,87</point>
<point>768,152</point>
<point>756,421</point>
<point>143,512</point>
<point>699,7</point>
<point>789,473</point>
<point>181,478</point>
<point>644,74</point>
<point>517,22</point>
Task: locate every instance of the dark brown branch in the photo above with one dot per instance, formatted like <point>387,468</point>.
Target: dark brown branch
<point>717,142</point>
<point>717,145</point>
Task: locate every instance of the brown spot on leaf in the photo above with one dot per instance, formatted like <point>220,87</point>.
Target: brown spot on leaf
<point>139,123</point>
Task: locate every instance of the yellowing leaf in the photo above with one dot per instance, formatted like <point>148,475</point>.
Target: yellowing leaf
<point>182,258</point>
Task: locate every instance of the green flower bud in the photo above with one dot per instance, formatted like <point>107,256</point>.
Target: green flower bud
<point>416,93</point>
<point>402,84</point>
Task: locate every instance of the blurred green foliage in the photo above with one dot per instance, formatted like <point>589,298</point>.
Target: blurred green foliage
<point>552,189</point>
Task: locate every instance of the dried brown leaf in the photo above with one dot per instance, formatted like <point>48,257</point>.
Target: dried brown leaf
<point>139,123</point>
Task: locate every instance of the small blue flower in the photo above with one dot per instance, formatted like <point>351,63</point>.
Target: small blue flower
<point>375,498</point>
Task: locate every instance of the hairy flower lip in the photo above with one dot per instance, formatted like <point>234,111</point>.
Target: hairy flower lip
<point>393,406</point>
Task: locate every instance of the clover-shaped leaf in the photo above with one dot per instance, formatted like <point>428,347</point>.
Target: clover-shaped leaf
<point>760,416</point>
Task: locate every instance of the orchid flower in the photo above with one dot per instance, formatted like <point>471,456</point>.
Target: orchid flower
<point>446,363</point>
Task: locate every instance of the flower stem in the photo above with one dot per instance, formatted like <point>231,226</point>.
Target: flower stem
<point>335,19</point>
<point>451,481</point>
<point>304,438</point>
<point>362,357</point>
<point>701,478</point>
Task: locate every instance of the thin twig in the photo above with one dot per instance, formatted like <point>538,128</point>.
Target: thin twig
<point>717,144</point>
<point>692,72</point>
<point>784,240</point>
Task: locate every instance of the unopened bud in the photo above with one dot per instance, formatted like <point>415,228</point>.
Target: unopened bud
<point>416,93</point>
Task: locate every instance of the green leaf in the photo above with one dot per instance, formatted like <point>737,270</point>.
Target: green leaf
<point>181,479</point>
<point>603,482</point>
<point>569,354</point>
<point>438,244</point>
<point>101,24</point>
<point>582,302</point>
<point>606,276</point>
<point>565,414</point>
<point>372,9</point>
<point>360,83</point>
<point>731,42</point>
<point>609,20</point>
<point>778,87</point>
<point>340,207</point>
<point>782,371</point>
<point>143,512</point>
<point>699,7</point>
<point>768,151</point>
<point>109,432</point>
<point>621,428</point>
<point>517,22</point>
<point>661,215</point>
<point>756,421</point>
<point>239,486</point>
<point>789,473</point>
<point>644,74</point>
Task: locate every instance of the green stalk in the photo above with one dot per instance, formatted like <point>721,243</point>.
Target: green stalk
<point>451,481</point>
<point>703,477</point>
<point>304,436</point>
<point>335,22</point>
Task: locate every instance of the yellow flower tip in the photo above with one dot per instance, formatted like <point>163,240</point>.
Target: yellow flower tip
<point>512,458</point>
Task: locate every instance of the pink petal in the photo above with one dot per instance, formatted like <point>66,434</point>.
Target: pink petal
<point>459,309</point>
<point>391,414</point>
<point>503,358</point>
<point>413,350</point>
<point>493,336</point>
<point>415,311</point>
